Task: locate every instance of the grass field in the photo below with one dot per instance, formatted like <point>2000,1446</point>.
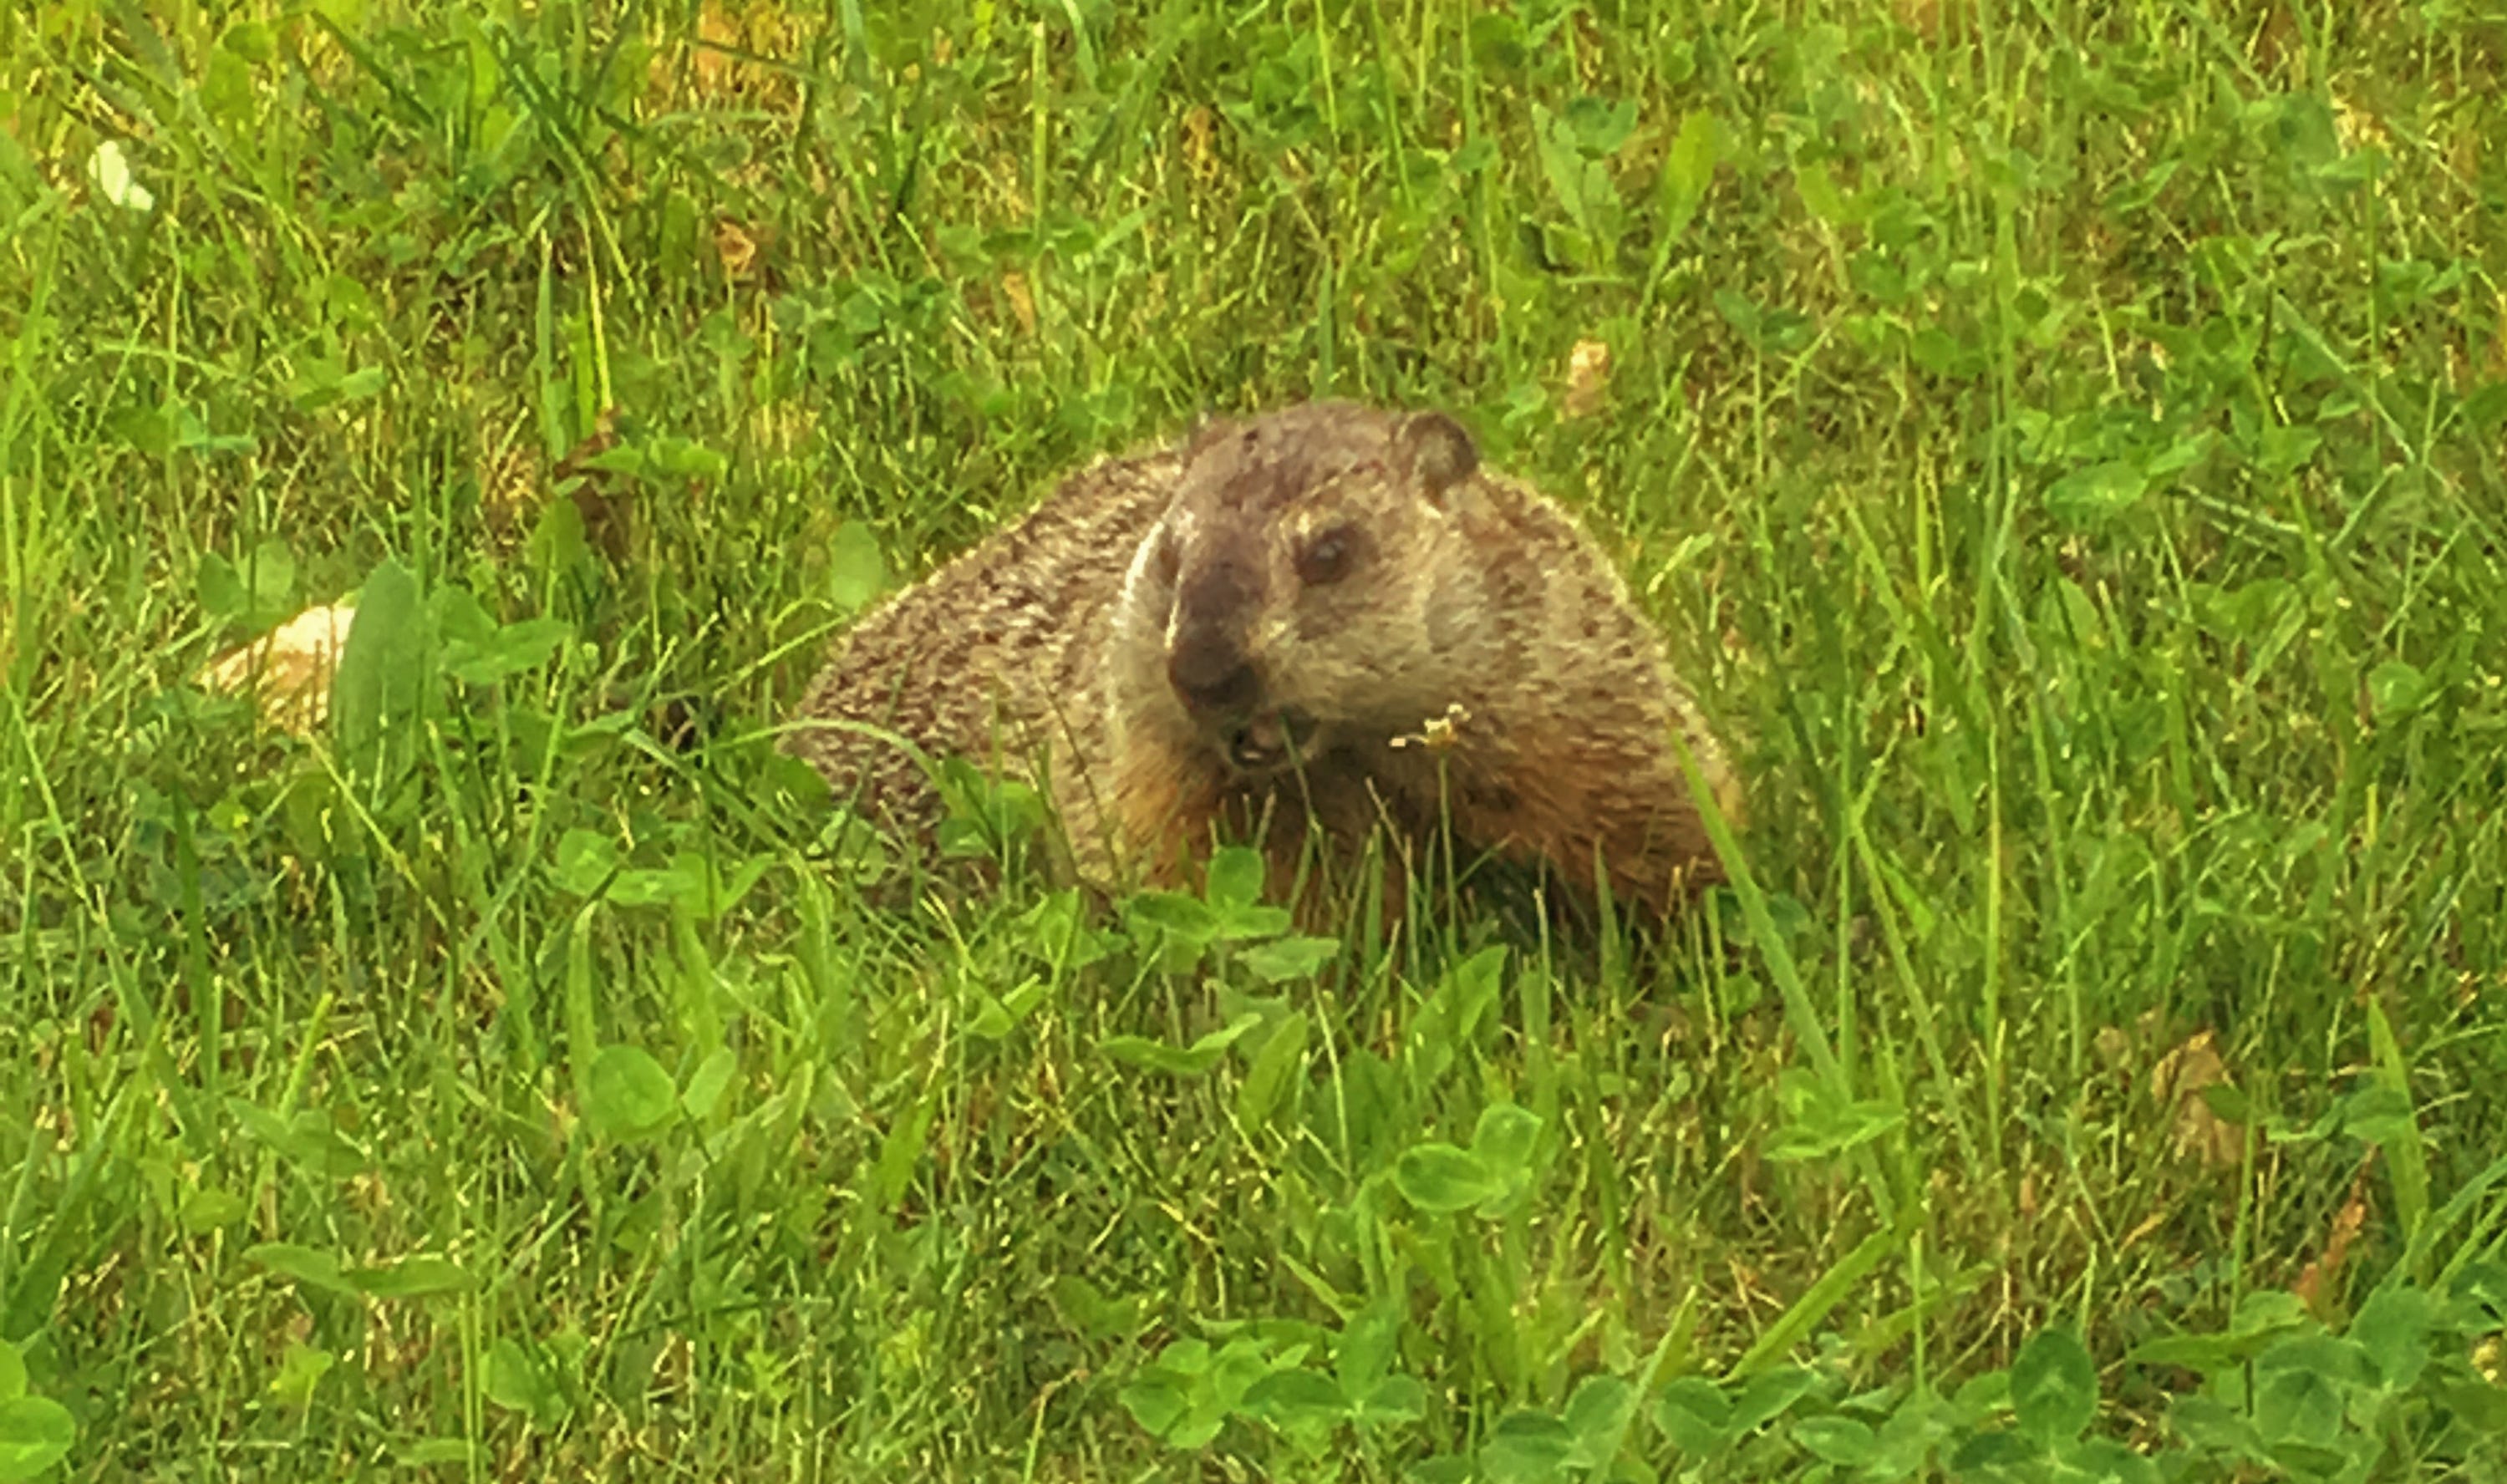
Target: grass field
<point>2066,446</point>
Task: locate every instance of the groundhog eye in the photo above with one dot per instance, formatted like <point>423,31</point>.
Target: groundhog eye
<point>1326,557</point>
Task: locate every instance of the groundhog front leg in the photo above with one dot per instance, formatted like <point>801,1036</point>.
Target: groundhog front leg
<point>1597,811</point>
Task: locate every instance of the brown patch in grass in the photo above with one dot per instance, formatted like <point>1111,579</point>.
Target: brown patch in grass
<point>2179,1079</point>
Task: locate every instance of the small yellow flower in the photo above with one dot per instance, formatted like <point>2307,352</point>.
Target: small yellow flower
<point>1437,733</point>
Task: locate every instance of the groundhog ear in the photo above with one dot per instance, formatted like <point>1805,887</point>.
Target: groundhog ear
<point>1441,454</point>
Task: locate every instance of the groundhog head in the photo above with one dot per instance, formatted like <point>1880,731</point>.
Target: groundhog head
<point>1310,588</point>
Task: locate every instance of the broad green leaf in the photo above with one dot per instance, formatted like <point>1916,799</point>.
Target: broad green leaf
<point>191,432</point>
<point>1582,185</point>
<point>2003,1453</point>
<point>307,1266</point>
<point>1283,959</point>
<point>1472,987</point>
<point>2486,408</point>
<point>2090,496</point>
<point>2392,1329</point>
<point>1184,1062</point>
<point>1186,1357</point>
<point>1694,1414</point>
<point>584,861</point>
<point>2270,1312</point>
<point>2398,689</point>
<point>902,1150</point>
<point>377,691</point>
<point>2183,453</point>
<point>1598,1413</point>
<point>512,649</point>
<point>2279,451</point>
<point>661,455</point>
<point>252,40</point>
<point>2482,1404</point>
<point>1091,1312</point>
<point>1527,1448</point>
<point>709,1082</point>
<point>632,1096</point>
<point>1504,1138</point>
<point>2202,1353</point>
<point>697,882</point>
<point>1440,1178</point>
<point>254,594</point>
<point>2105,1461</point>
<point>1296,1399</point>
<point>35,1434</point>
<point>855,571</point>
<point>1175,914</point>
<point>2379,1115</point>
<point>517,1382</point>
<point>1768,1396</point>
<point>2207,1424</point>
<point>997,1016</point>
<point>460,618</point>
<point>558,546</point>
<point>308,1140</point>
<point>1235,877</point>
<point>2229,1102</point>
<point>413,1278</point>
<point>1838,1440</point>
<point>1157,1402</point>
<point>1394,1400</point>
<point>650,886</point>
<point>1600,126</point>
<point>1819,193</point>
<point>300,1371</point>
<point>1282,1053</point>
<point>1235,925</point>
<point>1364,1355</point>
<point>2053,1386</point>
<point>209,1209</point>
<point>2302,1385</point>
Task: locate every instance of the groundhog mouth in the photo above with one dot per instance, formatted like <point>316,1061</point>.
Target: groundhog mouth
<point>1267,743</point>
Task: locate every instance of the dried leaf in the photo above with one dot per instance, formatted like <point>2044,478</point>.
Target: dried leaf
<point>509,479</point>
<point>715,31</point>
<point>1589,378</point>
<point>2179,1078</point>
<point>289,668</point>
<point>1022,303</point>
<point>1201,143</point>
<point>737,249</point>
<point>2323,1275</point>
<point>2356,126</point>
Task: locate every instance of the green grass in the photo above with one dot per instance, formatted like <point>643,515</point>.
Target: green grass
<point>2063,443</point>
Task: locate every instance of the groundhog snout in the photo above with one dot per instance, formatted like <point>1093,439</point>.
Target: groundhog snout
<point>1214,678</point>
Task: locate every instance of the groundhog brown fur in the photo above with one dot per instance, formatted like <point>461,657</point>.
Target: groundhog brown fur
<point>1303,626</point>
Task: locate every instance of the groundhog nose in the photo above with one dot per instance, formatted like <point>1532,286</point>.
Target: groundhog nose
<point>1213,677</point>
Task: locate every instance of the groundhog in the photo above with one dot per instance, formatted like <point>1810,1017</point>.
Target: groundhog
<point>1311,627</point>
